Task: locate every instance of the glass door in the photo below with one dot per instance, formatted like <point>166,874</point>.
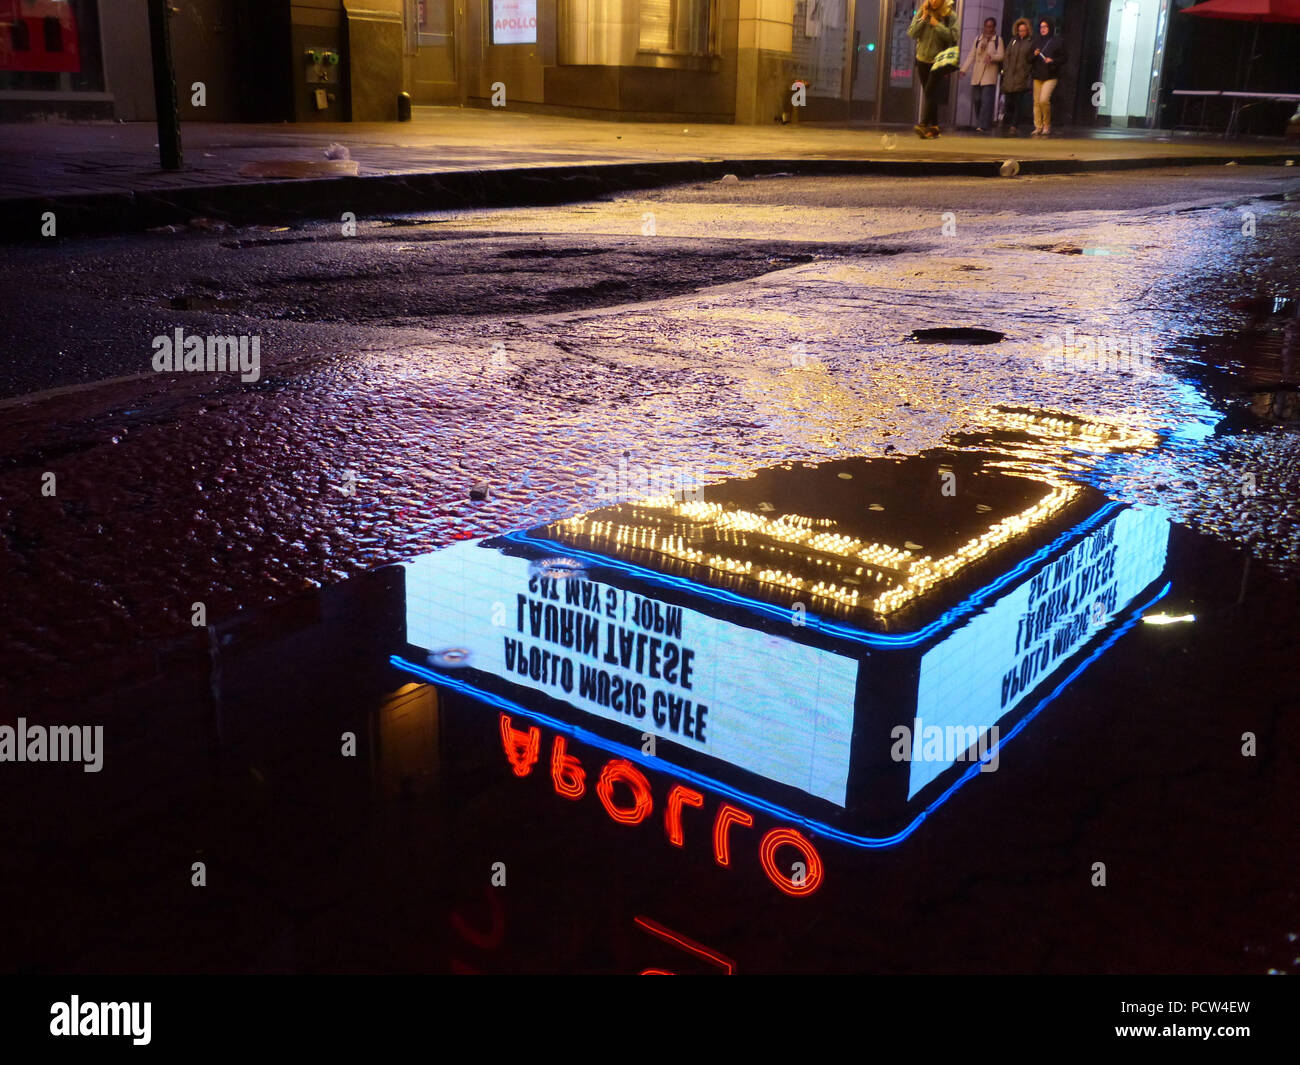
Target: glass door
<point>822,57</point>
<point>864,79</point>
<point>898,96</point>
<point>837,50</point>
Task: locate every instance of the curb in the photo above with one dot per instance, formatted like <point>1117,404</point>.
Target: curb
<point>276,201</point>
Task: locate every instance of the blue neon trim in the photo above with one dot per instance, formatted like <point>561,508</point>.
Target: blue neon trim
<point>815,827</point>
<point>815,621</point>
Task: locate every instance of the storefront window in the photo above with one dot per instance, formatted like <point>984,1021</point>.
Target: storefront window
<point>432,19</point>
<point>677,26</point>
<point>514,21</point>
<point>50,46</point>
<point>902,49</point>
<point>1134,33</point>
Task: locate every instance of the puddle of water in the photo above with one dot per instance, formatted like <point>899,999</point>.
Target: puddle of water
<point>1252,372</point>
<point>539,739</point>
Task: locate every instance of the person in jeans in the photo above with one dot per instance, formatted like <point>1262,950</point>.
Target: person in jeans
<point>1049,62</point>
<point>983,60</point>
<point>934,28</point>
<point>1017,73</point>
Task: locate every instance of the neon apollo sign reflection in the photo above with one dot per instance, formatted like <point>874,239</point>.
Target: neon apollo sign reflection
<point>569,779</point>
<point>631,756</point>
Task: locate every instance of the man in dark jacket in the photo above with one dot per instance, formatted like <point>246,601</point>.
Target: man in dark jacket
<point>1017,73</point>
<point>1049,62</point>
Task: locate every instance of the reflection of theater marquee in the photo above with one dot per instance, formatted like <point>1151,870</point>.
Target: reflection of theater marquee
<point>569,778</point>
<point>772,636</point>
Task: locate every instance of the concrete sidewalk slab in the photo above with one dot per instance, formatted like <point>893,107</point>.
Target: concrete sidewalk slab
<point>104,177</point>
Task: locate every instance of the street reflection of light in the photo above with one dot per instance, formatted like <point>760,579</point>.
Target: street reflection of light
<point>1167,619</point>
<point>775,838</point>
<point>910,575</point>
<point>660,575</point>
<point>726,817</point>
<point>812,874</point>
<point>926,572</point>
<point>1112,435</point>
<point>905,574</point>
<point>622,771</point>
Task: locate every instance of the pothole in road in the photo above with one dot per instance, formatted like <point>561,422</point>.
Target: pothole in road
<point>548,253</point>
<point>266,242</point>
<point>956,335</point>
<point>480,278</point>
<point>201,303</point>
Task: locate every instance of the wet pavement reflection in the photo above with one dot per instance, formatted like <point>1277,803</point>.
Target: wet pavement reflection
<point>954,711</point>
<point>683,617</point>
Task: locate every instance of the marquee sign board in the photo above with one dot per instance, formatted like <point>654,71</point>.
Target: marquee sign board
<point>856,698</point>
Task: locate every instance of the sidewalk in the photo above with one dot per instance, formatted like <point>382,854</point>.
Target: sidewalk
<point>105,176</point>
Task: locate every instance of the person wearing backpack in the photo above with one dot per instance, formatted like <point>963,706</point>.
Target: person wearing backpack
<point>983,61</point>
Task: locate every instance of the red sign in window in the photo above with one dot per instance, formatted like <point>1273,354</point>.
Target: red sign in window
<point>39,36</point>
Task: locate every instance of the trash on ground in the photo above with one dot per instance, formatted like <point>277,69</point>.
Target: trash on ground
<point>300,168</point>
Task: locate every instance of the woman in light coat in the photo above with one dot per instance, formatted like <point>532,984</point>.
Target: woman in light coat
<point>983,61</point>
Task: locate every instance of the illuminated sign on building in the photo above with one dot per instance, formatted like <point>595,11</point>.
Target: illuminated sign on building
<point>980,673</point>
<point>775,636</point>
<point>514,21</point>
<point>667,671</point>
<point>39,36</point>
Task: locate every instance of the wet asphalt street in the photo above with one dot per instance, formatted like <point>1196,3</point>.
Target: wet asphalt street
<point>711,328</point>
<point>438,378</point>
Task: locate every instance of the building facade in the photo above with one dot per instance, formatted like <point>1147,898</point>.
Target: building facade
<point>742,61</point>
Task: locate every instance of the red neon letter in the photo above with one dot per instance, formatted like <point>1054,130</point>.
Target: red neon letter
<point>673,813</point>
<point>566,772</point>
<point>521,747</point>
<point>812,879</point>
<point>726,814</point>
<point>620,769</point>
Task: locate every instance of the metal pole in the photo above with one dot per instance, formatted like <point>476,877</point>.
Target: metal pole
<point>851,36</point>
<point>1250,62</point>
<point>164,86</point>
<point>882,57</point>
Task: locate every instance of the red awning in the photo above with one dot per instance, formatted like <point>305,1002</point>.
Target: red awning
<point>1248,10</point>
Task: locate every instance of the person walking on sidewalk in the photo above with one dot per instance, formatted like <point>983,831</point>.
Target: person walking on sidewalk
<point>934,28</point>
<point>984,60</point>
<point>1049,62</point>
<point>1017,73</point>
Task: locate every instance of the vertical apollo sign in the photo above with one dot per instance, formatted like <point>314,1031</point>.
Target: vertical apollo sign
<point>514,21</point>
